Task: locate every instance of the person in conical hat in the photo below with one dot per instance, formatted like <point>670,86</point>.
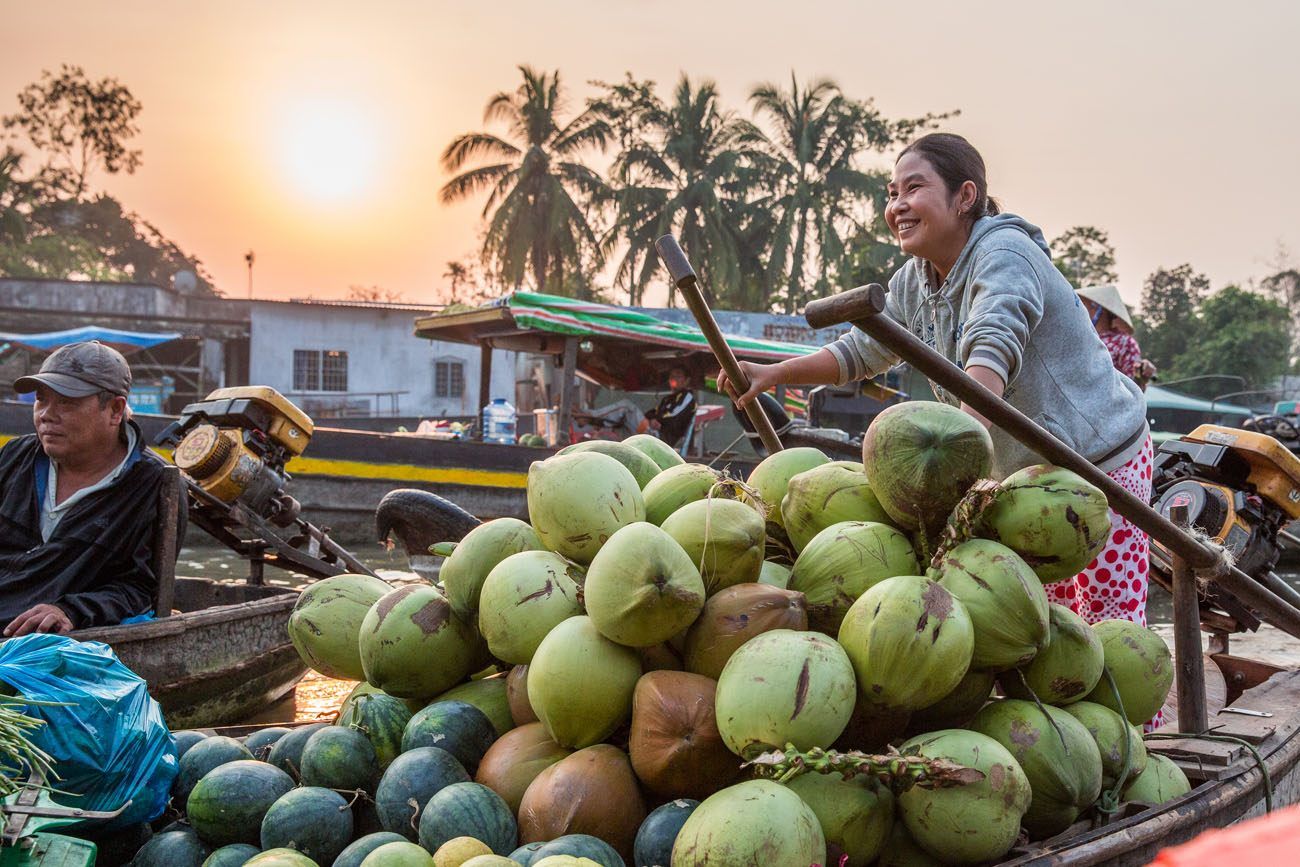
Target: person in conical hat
<point>1114,326</point>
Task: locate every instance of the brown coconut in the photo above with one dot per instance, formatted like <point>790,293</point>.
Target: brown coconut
<point>593,791</point>
<point>872,728</point>
<point>515,759</point>
<point>517,696</point>
<point>674,744</point>
<point>736,614</point>
<point>660,657</point>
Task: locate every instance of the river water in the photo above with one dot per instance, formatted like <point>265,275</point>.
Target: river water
<point>319,696</point>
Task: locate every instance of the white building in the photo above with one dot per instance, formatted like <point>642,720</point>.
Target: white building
<point>354,359</point>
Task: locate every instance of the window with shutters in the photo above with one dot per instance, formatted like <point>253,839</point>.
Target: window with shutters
<point>448,378</point>
<point>320,370</point>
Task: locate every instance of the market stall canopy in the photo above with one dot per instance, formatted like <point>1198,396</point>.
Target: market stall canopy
<point>618,348</point>
<point>125,342</point>
<point>1165,398</point>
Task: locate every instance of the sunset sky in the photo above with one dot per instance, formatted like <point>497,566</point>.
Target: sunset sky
<point>310,132</point>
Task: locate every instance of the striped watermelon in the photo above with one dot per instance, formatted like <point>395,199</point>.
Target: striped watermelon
<point>414,776</point>
<point>455,726</point>
<point>339,758</point>
<point>382,719</point>
<point>228,804</point>
<point>315,821</point>
<point>468,810</point>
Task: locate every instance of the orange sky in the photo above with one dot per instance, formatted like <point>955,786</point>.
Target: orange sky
<point>1173,125</point>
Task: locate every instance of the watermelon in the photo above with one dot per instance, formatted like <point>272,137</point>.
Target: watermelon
<point>232,855</point>
<point>455,726</point>
<point>315,821</point>
<point>382,719</point>
<point>416,776</point>
<point>202,757</point>
<point>228,804</point>
<point>525,854</point>
<point>183,740</point>
<point>281,858</point>
<point>358,849</point>
<point>260,742</point>
<point>654,840</point>
<point>468,810</point>
<point>398,855</point>
<point>488,695</point>
<point>286,754</point>
<point>581,846</point>
<point>172,849</point>
<point>339,758</point>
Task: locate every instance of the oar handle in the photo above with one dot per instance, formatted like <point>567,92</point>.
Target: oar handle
<point>673,257</point>
<point>847,306</point>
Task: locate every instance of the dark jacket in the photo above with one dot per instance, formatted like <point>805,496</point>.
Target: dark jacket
<point>97,565</point>
<point>675,412</point>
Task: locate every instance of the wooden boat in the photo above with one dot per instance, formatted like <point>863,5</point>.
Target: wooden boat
<point>226,654</point>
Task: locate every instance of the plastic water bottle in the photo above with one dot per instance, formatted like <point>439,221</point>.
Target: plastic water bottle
<point>499,422</point>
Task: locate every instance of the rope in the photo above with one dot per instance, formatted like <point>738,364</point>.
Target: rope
<point>1060,734</point>
<point>1108,802</point>
<point>1266,778</point>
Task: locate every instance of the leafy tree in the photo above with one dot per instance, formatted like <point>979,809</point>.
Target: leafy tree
<point>1236,332</point>
<point>79,126</point>
<point>375,294</point>
<point>539,194</point>
<point>1085,256</point>
<point>14,198</point>
<point>687,173</point>
<point>1166,326</point>
<point>1284,288</point>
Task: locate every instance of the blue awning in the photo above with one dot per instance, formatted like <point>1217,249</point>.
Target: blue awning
<point>1167,398</point>
<point>124,342</point>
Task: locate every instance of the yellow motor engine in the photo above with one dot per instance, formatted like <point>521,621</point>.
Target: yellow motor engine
<point>234,446</point>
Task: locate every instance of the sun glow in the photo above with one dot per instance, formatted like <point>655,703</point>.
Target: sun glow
<point>329,149</point>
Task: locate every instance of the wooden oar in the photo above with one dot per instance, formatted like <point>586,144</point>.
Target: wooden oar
<point>670,253</point>
<point>862,308</point>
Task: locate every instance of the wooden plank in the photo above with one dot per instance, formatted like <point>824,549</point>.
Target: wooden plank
<point>165,541</point>
<point>1216,695</point>
<point>568,375</point>
<point>484,386</point>
<point>1194,750</point>
<point>1190,672</point>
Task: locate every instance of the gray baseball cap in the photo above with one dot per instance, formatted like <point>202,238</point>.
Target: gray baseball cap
<point>81,369</point>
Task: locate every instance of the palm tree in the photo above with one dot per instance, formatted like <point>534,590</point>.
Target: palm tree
<point>686,173</point>
<point>13,196</point>
<point>539,194</point>
<point>816,189</point>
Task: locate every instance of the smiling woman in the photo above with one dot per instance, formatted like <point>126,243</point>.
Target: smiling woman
<point>328,149</point>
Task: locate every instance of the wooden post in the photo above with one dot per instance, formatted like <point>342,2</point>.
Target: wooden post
<point>567,376</point>
<point>1190,675</point>
<point>165,541</point>
<point>484,387</point>
<point>863,308</point>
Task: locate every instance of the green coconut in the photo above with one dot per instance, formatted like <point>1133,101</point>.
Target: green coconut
<point>726,540</point>
<point>642,588</point>
<point>733,616</point>
<point>921,458</point>
<point>755,822</point>
<point>972,823</point>
<point>1051,517</point>
<point>1005,600</point>
<point>856,815</point>
<point>1113,735</point>
<point>1162,781</point>
<point>488,694</point>
<point>845,560</point>
<point>1068,668</point>
<point>463,573</point>
<point>774,575</point>
<point>642,467</point>
<point>817,498</point>
<point>958,707</point>
<point>856,466</point>
<point>771,478</point>
<point>1142,666</point>
<point>902,851</point>
<point>910,642</point>
<point>784,687</point>
<point>580,683</point>
<point>1059,758</point>
<point>675,487</point>
<point>656,450</point>
<point>326,621</point>
<point>577,501</point>
<point>414,646</point>
<point>524,596</point>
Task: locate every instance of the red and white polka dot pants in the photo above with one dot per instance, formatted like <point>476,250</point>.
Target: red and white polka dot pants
<point>1114,586</point>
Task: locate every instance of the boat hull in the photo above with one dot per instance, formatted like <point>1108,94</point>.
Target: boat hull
<point>226,656</point>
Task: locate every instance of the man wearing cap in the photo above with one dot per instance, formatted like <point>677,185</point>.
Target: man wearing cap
<point>78,500</point>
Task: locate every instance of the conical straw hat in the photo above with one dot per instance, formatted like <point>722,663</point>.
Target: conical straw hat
<point>1107,297</point>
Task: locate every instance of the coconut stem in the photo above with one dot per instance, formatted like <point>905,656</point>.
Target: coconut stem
<point>961,523</point>
<point>1060,734</point>
<point>900,772</point>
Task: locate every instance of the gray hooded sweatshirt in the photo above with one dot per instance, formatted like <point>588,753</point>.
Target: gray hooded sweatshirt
<point>1005,306</point>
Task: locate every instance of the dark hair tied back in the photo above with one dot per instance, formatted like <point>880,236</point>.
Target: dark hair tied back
<point>956,161</point>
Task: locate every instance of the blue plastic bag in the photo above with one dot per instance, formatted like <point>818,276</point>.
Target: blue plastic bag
<point>110,742</point>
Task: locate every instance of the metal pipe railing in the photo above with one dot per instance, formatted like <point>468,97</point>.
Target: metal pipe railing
<point>862,307</point>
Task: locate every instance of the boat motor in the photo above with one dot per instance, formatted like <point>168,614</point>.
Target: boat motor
<point>235,444</point>
<point>1240,488</point>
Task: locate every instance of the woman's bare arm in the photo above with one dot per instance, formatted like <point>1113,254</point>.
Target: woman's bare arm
<point>820,368</point>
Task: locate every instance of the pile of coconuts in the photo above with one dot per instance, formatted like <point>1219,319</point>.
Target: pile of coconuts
<point>656,624</point>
